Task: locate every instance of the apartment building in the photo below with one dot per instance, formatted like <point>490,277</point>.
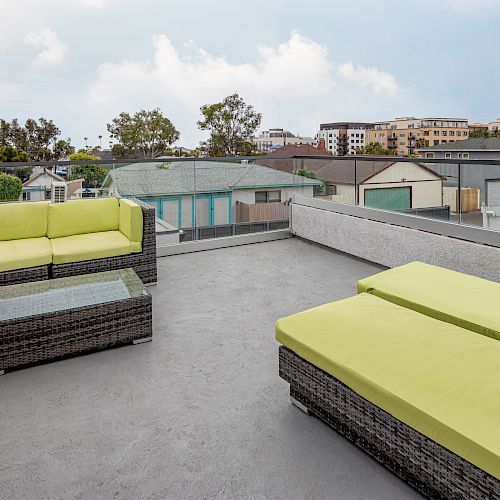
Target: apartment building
<point>493,126</point>
<point>405,135</point>
<point>342,138</point>
<point>272,139</point>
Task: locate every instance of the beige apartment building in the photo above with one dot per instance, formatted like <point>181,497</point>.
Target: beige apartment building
<point>404,136</point>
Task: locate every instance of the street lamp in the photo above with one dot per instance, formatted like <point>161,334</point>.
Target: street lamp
<point>100,141</point>
<point>86,144</point>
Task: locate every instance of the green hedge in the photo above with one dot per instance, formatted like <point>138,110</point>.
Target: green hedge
<point>10,187</point>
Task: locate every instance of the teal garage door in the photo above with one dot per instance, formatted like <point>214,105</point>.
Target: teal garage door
<point>397,198</point>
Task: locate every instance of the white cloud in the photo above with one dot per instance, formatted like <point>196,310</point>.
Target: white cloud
<point>379,81</point>
<point>294,82</point>
<point>53,51</point>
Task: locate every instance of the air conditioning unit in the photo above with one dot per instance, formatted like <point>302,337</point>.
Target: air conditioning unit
<point>59,193</point>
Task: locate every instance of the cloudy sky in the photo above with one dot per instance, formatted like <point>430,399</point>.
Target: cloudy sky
<point>81,62</point>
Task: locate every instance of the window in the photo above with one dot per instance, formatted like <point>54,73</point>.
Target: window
<point>402,143</point>
<point>436,143</point>
<point>26,196</point>
<point>426,132</point>
<point>444,132</point>
<point>459,132</point>
<point>447,155</point>
<point>429,155</point>
<point>465,132</point>
<point>267,196</point>
<point>436,132</point>
<point>452,132</point>
<point>465,156</point>
<point>443,141</point>
<point>402,135</point>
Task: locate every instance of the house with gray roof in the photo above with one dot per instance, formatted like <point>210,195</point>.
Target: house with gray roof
<point>211,193</point>
<point>476,148</point>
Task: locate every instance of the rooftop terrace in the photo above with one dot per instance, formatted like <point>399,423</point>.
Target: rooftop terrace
<point>200,412</point>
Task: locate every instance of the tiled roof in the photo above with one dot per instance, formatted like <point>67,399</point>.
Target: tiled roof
<point>170,178</point>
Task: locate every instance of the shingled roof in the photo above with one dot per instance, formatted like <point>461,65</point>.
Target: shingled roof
<point>473,144</point>
<point>169,178</point>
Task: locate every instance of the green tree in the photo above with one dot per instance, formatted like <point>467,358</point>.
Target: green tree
<point>231,124</point>
<point>480,132</point>
<point>305,172</point>
<point>10,187</point>
<point>373,148</point>
<point>38,138</point>
<point>421,143</point>
<point>11,154</point>
<point>94,175</point>
<point>146,133</point>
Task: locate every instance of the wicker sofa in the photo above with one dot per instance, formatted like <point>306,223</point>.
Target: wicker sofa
<point>41,241</point>
<point>416,392</point>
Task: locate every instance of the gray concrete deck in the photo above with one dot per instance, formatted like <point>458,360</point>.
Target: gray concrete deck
<point>200,412</point>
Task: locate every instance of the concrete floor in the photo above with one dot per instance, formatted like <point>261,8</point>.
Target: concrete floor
<point>199,413</point>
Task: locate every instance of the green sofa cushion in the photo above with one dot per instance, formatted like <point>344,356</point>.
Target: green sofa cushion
<point>89,246</point>
<point>82,217</point>
<point>435,377</point>
<point>28,252</point>
<point>456,298</point>
<point>23,220</point>
<point>131,223</point>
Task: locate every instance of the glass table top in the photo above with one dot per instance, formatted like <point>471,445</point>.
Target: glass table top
<point>62,294</point>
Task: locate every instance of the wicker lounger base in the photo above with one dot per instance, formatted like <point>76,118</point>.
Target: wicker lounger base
<point>24,275</point>
<point>35,339</point>
<point>431,469</point>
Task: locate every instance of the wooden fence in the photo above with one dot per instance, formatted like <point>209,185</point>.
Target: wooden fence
<point>471,199</point>
<point>246,212</point>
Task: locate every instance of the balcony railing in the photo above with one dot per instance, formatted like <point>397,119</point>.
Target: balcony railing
<point>197,198</point>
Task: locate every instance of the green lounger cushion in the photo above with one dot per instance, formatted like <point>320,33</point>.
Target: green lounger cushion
<point>435,377</point>
<point>131,224</point>
<point>463,300</point>
<point>23,220</point>
<point>82,217</point>
<point>28,252</point>
<point>89,246</point>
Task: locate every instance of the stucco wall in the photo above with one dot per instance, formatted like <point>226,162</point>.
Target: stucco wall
<point>391,245</point>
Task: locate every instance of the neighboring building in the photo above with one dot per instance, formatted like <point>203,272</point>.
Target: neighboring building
<point>493,126</point>
<point>216,189</point>
<point>39,186</point>
<point>342,138</point>
<point>270,139</point>
<point>476,148</point>
<point>405,135</point>
<point>386,185</point>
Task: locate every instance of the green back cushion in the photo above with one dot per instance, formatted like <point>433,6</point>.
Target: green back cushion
<point>456,298</point>
<point>82,217</point>
<point>436,377</point>
<point>23,220</point>
<point>131,223</point>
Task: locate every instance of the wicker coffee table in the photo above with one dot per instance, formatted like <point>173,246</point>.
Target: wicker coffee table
<point>53,319</point>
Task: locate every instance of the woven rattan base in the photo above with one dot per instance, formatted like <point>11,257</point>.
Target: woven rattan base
<point>424,464</point>
<point>24,275</point>
<point>46,337</point>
